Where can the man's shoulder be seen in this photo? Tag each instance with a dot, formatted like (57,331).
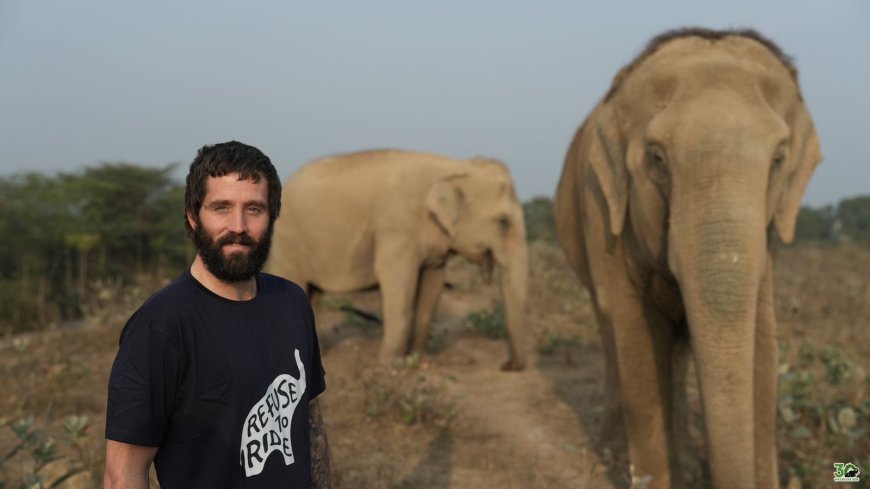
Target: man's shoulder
(162,311)
(169,303)
(178,293)
(276,284)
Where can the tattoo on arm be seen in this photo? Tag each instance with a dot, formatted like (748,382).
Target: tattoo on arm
(321,471)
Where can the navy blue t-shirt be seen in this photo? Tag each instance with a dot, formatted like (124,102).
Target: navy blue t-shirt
(220,386)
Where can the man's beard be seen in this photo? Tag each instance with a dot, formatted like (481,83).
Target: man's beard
(235,267)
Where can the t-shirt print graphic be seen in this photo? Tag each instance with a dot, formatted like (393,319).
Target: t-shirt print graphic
(267,426)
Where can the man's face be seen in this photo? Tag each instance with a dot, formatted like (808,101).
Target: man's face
(232,232)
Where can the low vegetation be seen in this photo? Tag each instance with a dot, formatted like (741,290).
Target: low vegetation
(491,323)
(35,452)
(823,410)
(406,394)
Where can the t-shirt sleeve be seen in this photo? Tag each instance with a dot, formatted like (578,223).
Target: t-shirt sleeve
(317,375)
(141,385)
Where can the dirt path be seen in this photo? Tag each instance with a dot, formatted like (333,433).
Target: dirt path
(528,429)
(518,430)
(532,436)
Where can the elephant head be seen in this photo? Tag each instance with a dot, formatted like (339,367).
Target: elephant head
(700,156)
(701,148)
(661,134)
(477,212)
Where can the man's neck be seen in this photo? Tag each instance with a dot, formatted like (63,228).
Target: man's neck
(234,291)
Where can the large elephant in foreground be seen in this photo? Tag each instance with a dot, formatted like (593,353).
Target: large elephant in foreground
(665,208)
(390,219)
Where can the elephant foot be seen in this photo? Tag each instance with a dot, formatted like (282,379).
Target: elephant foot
(513,365)
(391,359)
(402,361)
(419,349)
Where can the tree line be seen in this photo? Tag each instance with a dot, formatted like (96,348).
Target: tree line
(847,221)
(74,241)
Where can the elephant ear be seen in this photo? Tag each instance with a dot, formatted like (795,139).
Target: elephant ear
(805,155)
(607,159)
(444,203)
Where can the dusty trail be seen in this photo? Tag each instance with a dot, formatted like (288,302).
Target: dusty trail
(509,429)
(526,429)
(534,438)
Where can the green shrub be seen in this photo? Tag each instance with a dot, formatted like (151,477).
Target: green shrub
(837,366)
(403,393)
(42,449)
(552,342)
(490,323)
(540,220)
(819,413)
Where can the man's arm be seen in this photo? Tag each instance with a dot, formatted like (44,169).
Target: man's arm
(321,471)
(127,465)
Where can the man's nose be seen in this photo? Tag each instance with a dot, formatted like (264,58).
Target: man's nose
(238,222)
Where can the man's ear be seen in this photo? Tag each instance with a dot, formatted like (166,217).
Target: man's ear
(190,220)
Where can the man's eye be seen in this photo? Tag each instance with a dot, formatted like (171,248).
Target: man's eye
(255,210)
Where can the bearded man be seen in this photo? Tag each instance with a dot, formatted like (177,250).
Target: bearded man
(217,375)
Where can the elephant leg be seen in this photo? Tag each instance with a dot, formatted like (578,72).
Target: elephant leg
(765,386)
(514,283)
(396,270)
(643,342)
(689,464)
(428,294)
(612,426)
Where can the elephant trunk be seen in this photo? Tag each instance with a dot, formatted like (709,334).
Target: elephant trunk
(717,254)
(514,269)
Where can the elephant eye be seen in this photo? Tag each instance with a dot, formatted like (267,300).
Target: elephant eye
(776,165)
(656,162)
(504,223)
(779,156)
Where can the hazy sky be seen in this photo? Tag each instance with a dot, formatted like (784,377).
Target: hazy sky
(90,81)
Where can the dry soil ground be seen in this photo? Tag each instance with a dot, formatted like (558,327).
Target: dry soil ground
(450,419)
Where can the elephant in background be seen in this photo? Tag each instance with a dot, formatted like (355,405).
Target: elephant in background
(666,205)
(391,218)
